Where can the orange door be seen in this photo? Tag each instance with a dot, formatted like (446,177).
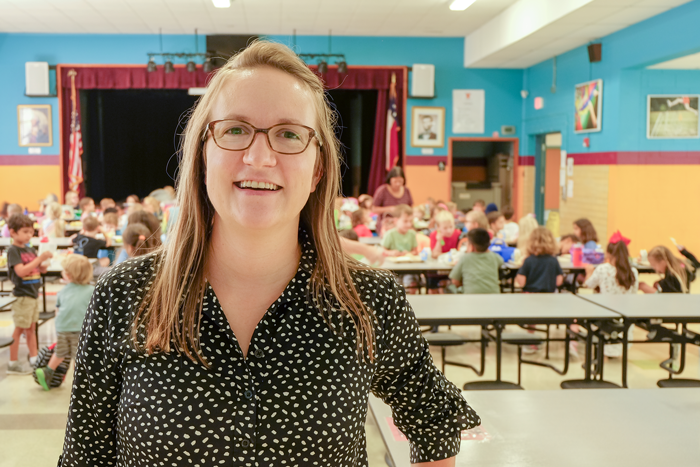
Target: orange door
(551,178)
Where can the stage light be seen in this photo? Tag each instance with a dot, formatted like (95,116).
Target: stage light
(221,3)
(323,67)
(169,68)
(342,67)
(208,66)
(461,5)
(191,66)
(151,67)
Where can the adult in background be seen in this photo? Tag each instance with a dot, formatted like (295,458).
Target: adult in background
(250,338)
(390,194)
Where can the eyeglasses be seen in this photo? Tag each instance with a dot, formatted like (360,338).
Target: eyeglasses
(284,138)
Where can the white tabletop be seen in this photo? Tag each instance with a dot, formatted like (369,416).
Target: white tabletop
(451,309)
(423,266)
(602,427)
(61,242)
(370,240)
(661,305)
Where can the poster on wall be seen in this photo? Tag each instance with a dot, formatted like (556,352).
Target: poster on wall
(428,127)
(34,125)
(468,110)
(672,116)
(588,104)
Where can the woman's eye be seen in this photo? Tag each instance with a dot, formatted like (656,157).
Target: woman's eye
(236,130)
(288,134)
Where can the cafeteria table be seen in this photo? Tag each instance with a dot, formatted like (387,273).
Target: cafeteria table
(499,310)
(650,311)
(370,240)
(61,242)
(576,428)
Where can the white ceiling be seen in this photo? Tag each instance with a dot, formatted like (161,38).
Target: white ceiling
(586,21)
(593,20)
(312,17)
(689,62)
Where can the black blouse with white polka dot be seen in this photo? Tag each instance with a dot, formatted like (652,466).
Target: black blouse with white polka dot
(298,399)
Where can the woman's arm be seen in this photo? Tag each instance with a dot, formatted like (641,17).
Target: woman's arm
(443,463)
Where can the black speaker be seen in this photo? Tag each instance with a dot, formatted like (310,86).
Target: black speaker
(595,53)
(223,46)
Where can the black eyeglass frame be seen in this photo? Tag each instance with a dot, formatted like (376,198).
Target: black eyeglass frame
(312,134)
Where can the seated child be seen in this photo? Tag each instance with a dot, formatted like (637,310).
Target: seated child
(139,240)
(71,306)
(477,271)
(583,229)
(87,208)
(387,225)
(479,205)
(25,269)
(446,236)
(12,209)
(402,239)
(474,219)
(360,221)
(567,242)
(615,276)
(510,229)
(497,222)
(53,226)
(677,273)
(540,273)
(352,235)
(85,243)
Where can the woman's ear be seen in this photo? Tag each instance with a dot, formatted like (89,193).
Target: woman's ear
(318,174)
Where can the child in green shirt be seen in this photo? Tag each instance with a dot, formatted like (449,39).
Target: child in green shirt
(401,240)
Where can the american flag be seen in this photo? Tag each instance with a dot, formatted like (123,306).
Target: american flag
(392,128)
(75,163)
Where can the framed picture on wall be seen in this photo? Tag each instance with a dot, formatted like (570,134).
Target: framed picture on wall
(672,116)
(588,102)
(428,127)
(34,125)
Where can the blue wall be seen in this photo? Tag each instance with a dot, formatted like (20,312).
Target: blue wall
(503,101)
(626,83)
(16,49)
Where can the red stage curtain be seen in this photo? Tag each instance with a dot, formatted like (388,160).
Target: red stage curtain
(137,77)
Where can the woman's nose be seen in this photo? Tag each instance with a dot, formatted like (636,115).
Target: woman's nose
(260,154)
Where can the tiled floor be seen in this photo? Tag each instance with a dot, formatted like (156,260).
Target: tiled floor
(32,421)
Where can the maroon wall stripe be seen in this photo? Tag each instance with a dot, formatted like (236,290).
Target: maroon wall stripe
(424,160)
(628,158)
(30,160)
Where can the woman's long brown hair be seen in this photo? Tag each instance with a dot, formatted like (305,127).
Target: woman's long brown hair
(624,275)
(171,308)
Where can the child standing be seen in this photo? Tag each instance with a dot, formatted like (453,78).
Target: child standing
(402,239)
(360,220)
(71,305)
(615,276)
(86,242)
(540,273)
(477,271)
(677,273)
(25,269)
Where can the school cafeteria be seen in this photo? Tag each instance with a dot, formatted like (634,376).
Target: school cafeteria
(349,233)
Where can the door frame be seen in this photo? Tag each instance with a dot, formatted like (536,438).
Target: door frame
(516,199)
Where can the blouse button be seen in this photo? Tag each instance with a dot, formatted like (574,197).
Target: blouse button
(258,353)
(248,394)
(245,443)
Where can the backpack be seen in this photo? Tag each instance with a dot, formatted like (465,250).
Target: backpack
(43,359)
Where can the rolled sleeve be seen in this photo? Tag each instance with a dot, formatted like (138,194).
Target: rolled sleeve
(426,407)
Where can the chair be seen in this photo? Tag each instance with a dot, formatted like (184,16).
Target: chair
(444,340)
(520,339)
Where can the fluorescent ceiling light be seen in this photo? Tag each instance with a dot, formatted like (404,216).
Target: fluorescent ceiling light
(457,5)
(221,3)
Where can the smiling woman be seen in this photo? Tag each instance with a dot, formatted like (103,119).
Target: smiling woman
(250,337)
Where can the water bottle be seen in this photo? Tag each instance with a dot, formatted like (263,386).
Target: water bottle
(425,254)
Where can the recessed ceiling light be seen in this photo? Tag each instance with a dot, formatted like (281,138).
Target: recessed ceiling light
(221,3)
(457,5)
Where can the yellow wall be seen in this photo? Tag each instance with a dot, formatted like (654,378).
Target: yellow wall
(590,200)
(651,203)
(426,181)
(27,184)
(526,190)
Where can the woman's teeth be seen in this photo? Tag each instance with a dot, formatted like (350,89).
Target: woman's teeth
(258,185)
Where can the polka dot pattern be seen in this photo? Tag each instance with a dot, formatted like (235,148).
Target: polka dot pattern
(298,399)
